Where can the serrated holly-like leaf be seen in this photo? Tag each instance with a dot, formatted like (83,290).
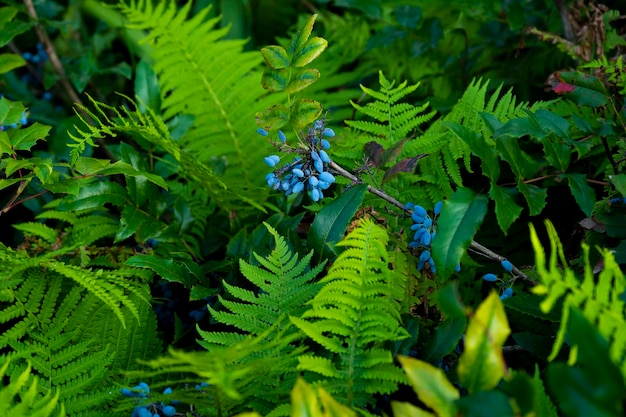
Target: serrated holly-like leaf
(482,366)
(582,192)
(535,196)
(521,163)
(311,50)
(302,79)
(331,222)
(619,181)
(558,154)
(518,127)
(431,386)
(136,221)
(507,210)
(26,137)
(273,118)
(275,79)
(458,222)
(304,112)
(275,56)
(588,90)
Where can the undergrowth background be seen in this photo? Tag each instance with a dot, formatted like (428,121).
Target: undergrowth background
(307,208)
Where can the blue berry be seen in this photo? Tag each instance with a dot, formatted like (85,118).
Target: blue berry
(425,239)
(298,172)
(428,223)
(508,266)
(490,277)
(315,194)
(424,256)
(271,160)
(318,165)
(438,208)
(417,218)
(318,124)
(409,206)
(282,136)
(325,144)
(262,132)
(167,391)
(324,156)
(328,132)
(508,291)
(169,411)
(313,181)
(457,268)
(327,177)
(297,188)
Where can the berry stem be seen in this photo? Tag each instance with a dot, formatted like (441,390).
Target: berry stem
(474,245)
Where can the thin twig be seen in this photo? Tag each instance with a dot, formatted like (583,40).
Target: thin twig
(474,245)
(58,67)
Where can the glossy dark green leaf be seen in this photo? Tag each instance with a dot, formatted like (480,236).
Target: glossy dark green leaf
(519,127)
(275,79)
(147,87)
(302,79)
(460,218)
(95,195)
(273,118)
(521,163)
(535,197)
(275,56)
(552,122)
(614,223)
(584,195)
(557,154)
(588,90)
(135,221)
(331,222)
(167,269)
(450,303)
(619,181)
(482,365)
(446,338)
(507,210)
(304,112)
(485,403)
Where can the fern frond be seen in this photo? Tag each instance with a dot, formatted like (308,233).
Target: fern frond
(285,285)
(599,299)
(352,317)
(212,79)
(21,397)
(392,120)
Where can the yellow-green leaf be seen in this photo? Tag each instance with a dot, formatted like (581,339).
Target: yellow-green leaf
(482,366)
(275,56)
(431,386)
(408,410)
(311,50)
(9,62)
(275,79)
(299,40)
(273,118)
(304,112)
(304,78)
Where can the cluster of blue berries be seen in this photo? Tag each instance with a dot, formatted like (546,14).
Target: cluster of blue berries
(617,200)
(38,57)
(308,172)
(507,292)
(155,409)
(424,229)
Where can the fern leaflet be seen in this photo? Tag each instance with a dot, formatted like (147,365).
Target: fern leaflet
(352,316)
(601,301)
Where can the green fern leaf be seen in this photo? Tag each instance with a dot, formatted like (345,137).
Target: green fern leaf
(352,316)
(597,298)
(210,78)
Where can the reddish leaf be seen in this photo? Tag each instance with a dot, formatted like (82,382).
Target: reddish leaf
(563,88)
(374,152)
